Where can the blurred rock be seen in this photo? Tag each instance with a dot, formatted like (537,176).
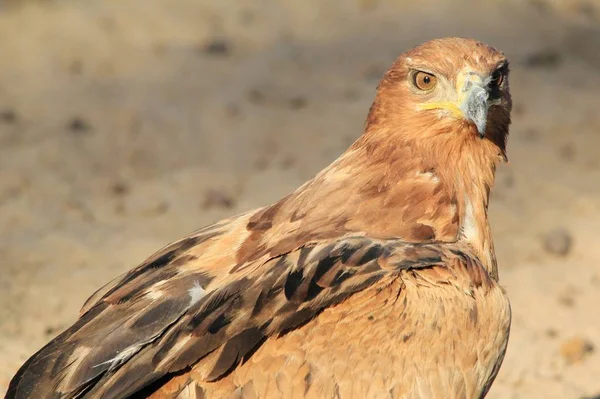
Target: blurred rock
(568,151)
(558,242)
(298,102)
(8,115)
(78,125)
(288,162)
(583,43)
(531,135)
(518,108)
(215,198)
(155,209)
(256,96)
(217,47)
(76,67)
(588,9)
(543,59)
(567,301)
(506,179)
(53,330)
(261,163)
(551,333)
(233,110)
(119,188)
(576,349)
(247,17)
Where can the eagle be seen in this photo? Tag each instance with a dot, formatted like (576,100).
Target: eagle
(377,278)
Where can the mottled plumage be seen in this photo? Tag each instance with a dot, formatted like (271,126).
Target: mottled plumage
(375,279)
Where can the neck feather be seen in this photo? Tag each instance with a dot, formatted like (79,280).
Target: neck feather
(461,164)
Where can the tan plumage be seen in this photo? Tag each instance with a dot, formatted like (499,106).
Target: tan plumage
(375,279)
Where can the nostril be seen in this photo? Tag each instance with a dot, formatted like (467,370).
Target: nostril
(467,86)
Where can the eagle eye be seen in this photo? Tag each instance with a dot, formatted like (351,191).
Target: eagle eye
(424,81)
(497,78)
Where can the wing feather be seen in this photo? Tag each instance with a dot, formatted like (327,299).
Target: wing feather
(160,320)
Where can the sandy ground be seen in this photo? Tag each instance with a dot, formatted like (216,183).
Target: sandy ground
(127,124)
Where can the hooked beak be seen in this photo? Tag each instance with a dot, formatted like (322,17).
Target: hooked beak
(474,104)
(472,101)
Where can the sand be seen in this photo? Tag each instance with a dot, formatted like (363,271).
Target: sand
(127,124)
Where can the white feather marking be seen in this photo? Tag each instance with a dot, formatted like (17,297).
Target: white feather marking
(428,175)
(196,293)
(469,224)
(121,357)
(154,295)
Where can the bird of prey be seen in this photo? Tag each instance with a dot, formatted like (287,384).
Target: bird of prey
(375,279)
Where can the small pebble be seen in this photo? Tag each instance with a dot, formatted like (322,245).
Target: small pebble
(507,179)
(531,135)
(78,125)
(568,151)
(76,67)
(588,10)
(551,333)
(217,198)
(155,209)
(519,109)
(52,330)
(261,163)
(247,17)
(567,301)
(256,96)
(543,59)
(576,349)
(287,162)
(558,242)
(219,47)
(233,110)
(8,116)
(298,102)
(119,188)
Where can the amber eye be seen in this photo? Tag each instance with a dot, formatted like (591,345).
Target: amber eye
(424,81)
(497,78)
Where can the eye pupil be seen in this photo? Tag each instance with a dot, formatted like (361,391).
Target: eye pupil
(424,81)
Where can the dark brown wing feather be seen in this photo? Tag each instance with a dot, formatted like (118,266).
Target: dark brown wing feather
(124,345)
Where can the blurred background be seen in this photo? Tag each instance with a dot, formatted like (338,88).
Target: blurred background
(125,124)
